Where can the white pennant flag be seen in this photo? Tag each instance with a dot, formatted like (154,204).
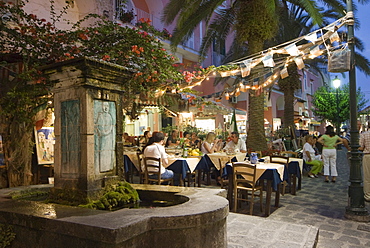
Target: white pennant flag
(225,73)
(245,68)
(330,28)
(299,62)
(315,50)
(311,37)
(292,49)
(268,61)
(284,72)
(334,37)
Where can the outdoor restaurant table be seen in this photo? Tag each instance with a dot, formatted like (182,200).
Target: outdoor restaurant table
(182,166)
(178,165)
(273,173)
(295,167)
(130,160)
(237,157)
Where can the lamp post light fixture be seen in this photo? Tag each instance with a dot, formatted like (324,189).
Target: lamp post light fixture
(336,84)
(356,203)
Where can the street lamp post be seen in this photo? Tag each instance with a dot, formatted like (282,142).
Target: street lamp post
(356,203)
(336,84)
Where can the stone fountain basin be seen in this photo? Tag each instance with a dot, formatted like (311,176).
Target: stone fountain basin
(199,222)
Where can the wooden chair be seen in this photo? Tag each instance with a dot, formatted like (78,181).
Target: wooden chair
(244,179)
(289,154)
(140,160)
(190,179)
(154,169)
(222,162)
(277,159)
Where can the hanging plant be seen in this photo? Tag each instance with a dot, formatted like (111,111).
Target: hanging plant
(127,16)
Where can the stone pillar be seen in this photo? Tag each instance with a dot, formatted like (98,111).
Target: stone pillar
(88,96)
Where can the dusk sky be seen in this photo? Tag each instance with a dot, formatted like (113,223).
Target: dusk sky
(364,33)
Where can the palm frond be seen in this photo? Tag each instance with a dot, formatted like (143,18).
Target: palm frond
(218,29)
(191,16)
(172,9)
(362,63)
(311,8)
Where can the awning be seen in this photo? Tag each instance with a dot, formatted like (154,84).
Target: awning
(211,108)
(315,123)
(168,100)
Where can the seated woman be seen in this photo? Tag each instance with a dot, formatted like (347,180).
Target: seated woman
(145,138)
(195,141)
(309,157)
(211,144)
(173,140)
(186,139)
(155,149)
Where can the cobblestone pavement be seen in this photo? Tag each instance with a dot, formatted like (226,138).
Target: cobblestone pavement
(318,206)
(322,205)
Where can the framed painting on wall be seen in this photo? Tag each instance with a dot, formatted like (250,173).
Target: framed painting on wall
(45,140)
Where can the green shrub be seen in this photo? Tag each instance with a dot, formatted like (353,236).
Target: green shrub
(116,196)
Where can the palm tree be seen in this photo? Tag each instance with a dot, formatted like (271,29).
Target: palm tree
(254,22)
(294,23)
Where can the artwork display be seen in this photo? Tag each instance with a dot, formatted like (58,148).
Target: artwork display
(45,140)
(105,135)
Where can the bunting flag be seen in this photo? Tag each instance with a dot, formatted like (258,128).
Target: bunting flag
(334,37)
(225,73)
(296,54)
(299,62)
(268,61)
(315,50)
(292,49)
(284,72)
(246,69)
(312,37)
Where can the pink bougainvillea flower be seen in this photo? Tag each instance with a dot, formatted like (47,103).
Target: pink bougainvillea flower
(106,58)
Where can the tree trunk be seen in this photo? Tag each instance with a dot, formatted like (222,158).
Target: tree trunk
(256,139)
(288,107)
(17,143)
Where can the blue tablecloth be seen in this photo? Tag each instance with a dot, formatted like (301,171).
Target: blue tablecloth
(204,163)
(127,163)
(293,168)
(269,174)
(179,167)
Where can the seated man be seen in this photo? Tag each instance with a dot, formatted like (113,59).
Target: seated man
(236,144)
(155,149)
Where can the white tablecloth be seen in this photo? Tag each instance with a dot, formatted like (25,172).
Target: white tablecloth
(262,167)
(224,157)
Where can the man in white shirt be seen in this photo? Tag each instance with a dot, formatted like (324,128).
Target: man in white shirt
(365,148)
(156,150)
(236,144)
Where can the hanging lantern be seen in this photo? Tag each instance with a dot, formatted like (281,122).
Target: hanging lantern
(339,60)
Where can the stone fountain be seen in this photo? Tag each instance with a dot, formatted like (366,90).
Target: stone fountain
(88,98)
